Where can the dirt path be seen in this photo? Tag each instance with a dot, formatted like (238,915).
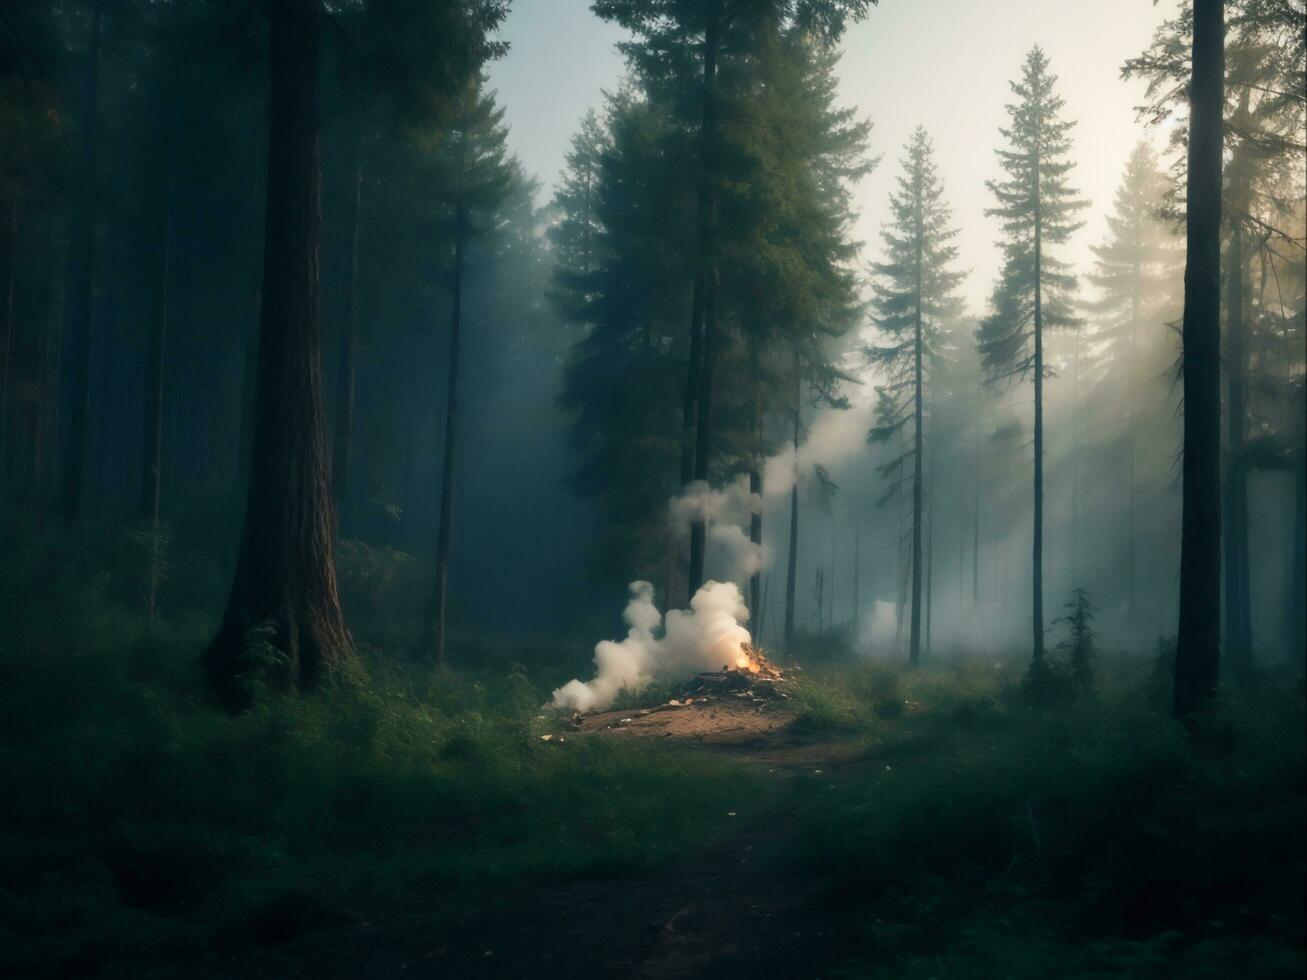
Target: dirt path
(738,910)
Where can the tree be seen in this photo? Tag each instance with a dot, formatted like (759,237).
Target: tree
(1037,205)
(575,237)
(1262,135)
(1198,641)
(285,581)
(285,576)
(1080,646)
(1134,271)
(668,33)
(479,173)
(914,295)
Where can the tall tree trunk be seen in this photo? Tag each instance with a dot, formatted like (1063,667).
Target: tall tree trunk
(918,435)
(285,575)
(1075,462)
(342,451)
(81,281)
(1037,547)
(1298,558)
(705,288)
(755,481)
(1198,643)
(107,344)
(152,460)
(857,571)
(1238,628)
(1134,394)
(433,627)
(834,526)
(11,267)
(792,567)
(975,517)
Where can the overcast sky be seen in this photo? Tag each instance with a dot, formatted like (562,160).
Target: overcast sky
(944,64)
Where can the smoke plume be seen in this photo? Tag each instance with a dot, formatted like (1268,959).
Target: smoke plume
(707,636)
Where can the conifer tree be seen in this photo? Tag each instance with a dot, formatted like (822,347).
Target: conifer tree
(677,40)
(476,172)
(1262,135)
(1037,206)
(284,596)
(914,296)
(1135,271)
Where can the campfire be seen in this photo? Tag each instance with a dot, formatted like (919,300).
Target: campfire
(751,676)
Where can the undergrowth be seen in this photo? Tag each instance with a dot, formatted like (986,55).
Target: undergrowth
(144,831)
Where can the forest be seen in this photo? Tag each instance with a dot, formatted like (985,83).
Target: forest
(653,488)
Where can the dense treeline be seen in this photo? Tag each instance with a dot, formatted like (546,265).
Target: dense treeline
(688,307)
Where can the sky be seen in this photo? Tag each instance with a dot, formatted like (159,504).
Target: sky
(943,64)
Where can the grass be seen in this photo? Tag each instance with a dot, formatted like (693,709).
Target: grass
(982,837)
(145,833)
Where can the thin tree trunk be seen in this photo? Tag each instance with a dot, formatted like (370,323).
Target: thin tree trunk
(342,450)
(833,527)
(81,280)
(755,481)
(975,518)
(1198,643)
(857,571)
(705,287)
(918,439)
(153,432)
(11,266)
(433,629)
(1037,549)
(792,567)
(1075,462)
(107,345)
(286,573)
(1133,387)
(1238,629)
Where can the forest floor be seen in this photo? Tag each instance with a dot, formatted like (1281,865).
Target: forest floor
(738,909)
(875,821)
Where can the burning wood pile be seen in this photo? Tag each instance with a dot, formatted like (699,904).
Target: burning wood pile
(751,677)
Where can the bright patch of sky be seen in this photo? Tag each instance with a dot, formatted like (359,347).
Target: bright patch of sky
(943,64)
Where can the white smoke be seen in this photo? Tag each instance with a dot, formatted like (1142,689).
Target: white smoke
(881,629)
(707,636)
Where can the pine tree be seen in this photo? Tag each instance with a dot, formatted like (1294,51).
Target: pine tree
(1037,206)
(677,39)
(1262,135)
(915,296)
(475,169)
(575,236)
(1136,270)
(283,616)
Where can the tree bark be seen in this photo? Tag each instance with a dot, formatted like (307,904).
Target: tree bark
(1198,643)
(81,280)
(342,450)
(286,573)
